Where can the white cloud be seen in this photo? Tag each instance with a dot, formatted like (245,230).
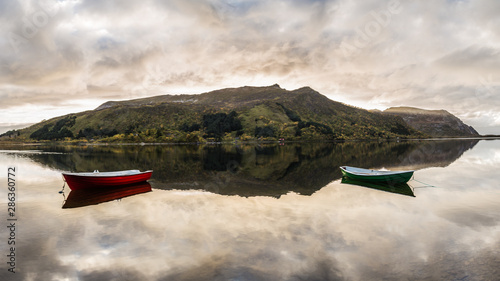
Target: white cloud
(439,54)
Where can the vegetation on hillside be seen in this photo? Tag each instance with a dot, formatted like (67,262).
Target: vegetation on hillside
(247,113)
(216,125)
(60,130)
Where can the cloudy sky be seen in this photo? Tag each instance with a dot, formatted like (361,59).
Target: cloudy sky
(59,57)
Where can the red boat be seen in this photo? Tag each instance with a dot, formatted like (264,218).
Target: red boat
(78,181)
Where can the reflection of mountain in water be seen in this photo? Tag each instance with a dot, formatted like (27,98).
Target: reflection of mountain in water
(434,154)
(248,170)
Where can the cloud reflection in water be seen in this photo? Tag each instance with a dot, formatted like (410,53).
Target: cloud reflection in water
(340,232)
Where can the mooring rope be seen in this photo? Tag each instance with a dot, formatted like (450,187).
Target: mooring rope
(63,194)
(426,184)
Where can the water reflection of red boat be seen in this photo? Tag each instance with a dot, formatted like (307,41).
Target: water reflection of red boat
(93,196)
(78,181)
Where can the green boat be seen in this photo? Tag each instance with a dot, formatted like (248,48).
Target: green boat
(375,175)
(398,188)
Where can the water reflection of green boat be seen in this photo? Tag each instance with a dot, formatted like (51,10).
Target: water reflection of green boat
(399,188)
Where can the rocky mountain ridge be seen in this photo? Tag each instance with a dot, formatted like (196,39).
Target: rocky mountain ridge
(436,123)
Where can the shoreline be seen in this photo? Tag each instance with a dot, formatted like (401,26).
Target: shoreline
(73,143)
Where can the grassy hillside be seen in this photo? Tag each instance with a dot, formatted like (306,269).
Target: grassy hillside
(245,113)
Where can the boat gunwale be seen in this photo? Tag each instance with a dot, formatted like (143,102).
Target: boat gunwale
(108,174)
(371,172)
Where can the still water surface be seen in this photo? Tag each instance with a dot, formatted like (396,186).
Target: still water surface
(253,212)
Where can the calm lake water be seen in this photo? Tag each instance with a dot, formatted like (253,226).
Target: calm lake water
(249,212)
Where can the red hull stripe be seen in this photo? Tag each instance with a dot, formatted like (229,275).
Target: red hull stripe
(81,182)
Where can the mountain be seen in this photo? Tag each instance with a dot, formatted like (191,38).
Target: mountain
(436,123)
(243,113)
